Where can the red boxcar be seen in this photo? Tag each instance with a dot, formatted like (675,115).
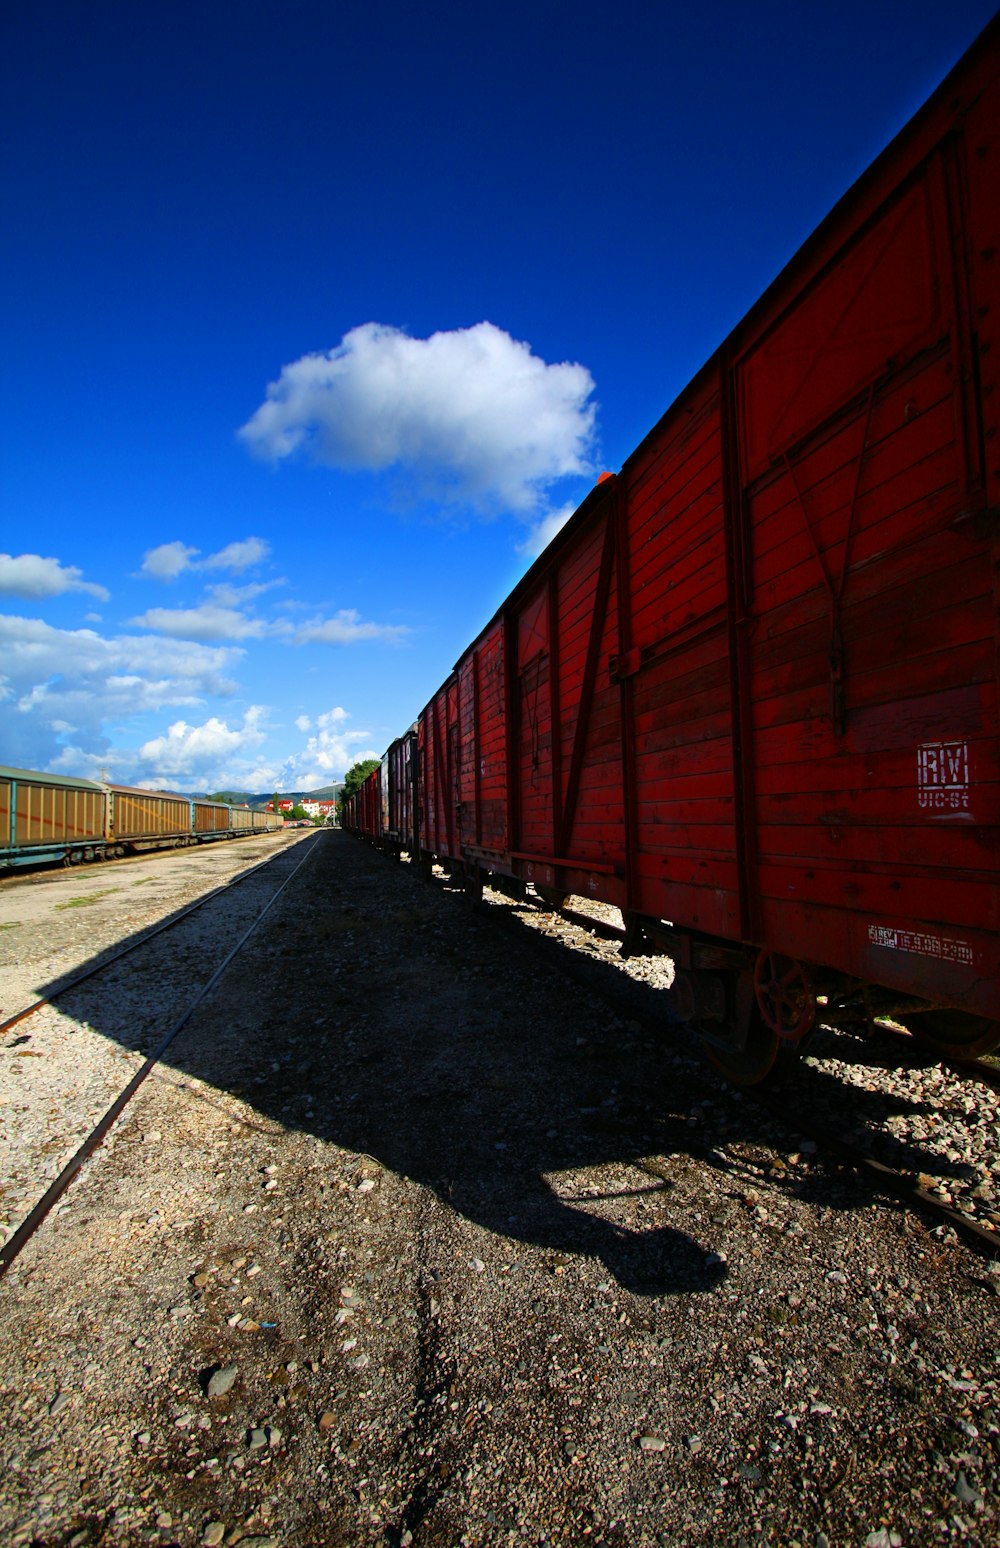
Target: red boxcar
(401,795)
(364,809)
(750,691)
(440,775)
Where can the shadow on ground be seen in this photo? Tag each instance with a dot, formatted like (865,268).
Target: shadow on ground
(377,1012)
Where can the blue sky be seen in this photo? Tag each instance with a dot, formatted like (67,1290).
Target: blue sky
(317,317)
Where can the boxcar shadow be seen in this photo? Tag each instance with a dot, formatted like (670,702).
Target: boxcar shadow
(380,1015)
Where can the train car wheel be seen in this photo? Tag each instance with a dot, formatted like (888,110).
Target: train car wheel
(764,1054)
(953,1034)
(551,896)
(785,995)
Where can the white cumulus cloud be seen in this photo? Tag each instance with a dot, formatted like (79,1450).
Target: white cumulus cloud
(328,753)
(322,760)
(471,416)
(168,560)
(347,627)
(56,683)
(544,530)
(207,622)
(31,576)
(237,557)
(202,752)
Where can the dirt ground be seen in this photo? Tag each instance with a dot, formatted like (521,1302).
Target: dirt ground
(416,1241)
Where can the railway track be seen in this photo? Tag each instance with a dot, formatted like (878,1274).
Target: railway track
(76,979)
(911,1051)
(280,869)
(917,1189)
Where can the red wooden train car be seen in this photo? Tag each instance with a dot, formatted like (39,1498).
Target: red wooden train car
(438,753)
(365,810)
(750,692)
(401,794)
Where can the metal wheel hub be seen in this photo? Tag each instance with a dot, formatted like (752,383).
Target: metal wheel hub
(785,995)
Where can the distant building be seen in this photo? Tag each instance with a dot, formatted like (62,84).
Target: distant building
(321,806)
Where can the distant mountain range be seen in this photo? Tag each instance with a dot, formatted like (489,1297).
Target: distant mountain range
(248,798)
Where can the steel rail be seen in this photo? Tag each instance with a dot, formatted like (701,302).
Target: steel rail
(154,930)
(55,1191)
(904,1186)
(973,1069)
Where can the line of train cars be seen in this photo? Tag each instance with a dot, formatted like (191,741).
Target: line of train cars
(44,817)
(749,693)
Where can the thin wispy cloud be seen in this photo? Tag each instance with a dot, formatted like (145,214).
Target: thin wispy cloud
(237,557)
(168,560)
(207,622)
(212,622)
(34,578)
(347,627)
(227,595)
(225,614)
(472,417)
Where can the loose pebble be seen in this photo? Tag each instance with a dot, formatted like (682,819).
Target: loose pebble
(221,1380)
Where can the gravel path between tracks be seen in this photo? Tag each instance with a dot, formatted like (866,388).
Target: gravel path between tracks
(415,1241)
(54,921)
(61,1069)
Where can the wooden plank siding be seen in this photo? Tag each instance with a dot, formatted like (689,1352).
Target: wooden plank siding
(682,718)
(482,745)
(402,816)
(439,767)
(567,732)
(871,628)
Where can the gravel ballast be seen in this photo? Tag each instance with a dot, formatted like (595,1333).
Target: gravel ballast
(415,1240)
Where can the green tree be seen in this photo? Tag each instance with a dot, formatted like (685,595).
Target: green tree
(355,776)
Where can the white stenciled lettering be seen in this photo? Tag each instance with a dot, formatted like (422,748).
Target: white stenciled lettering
(943,776)
(921,944)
